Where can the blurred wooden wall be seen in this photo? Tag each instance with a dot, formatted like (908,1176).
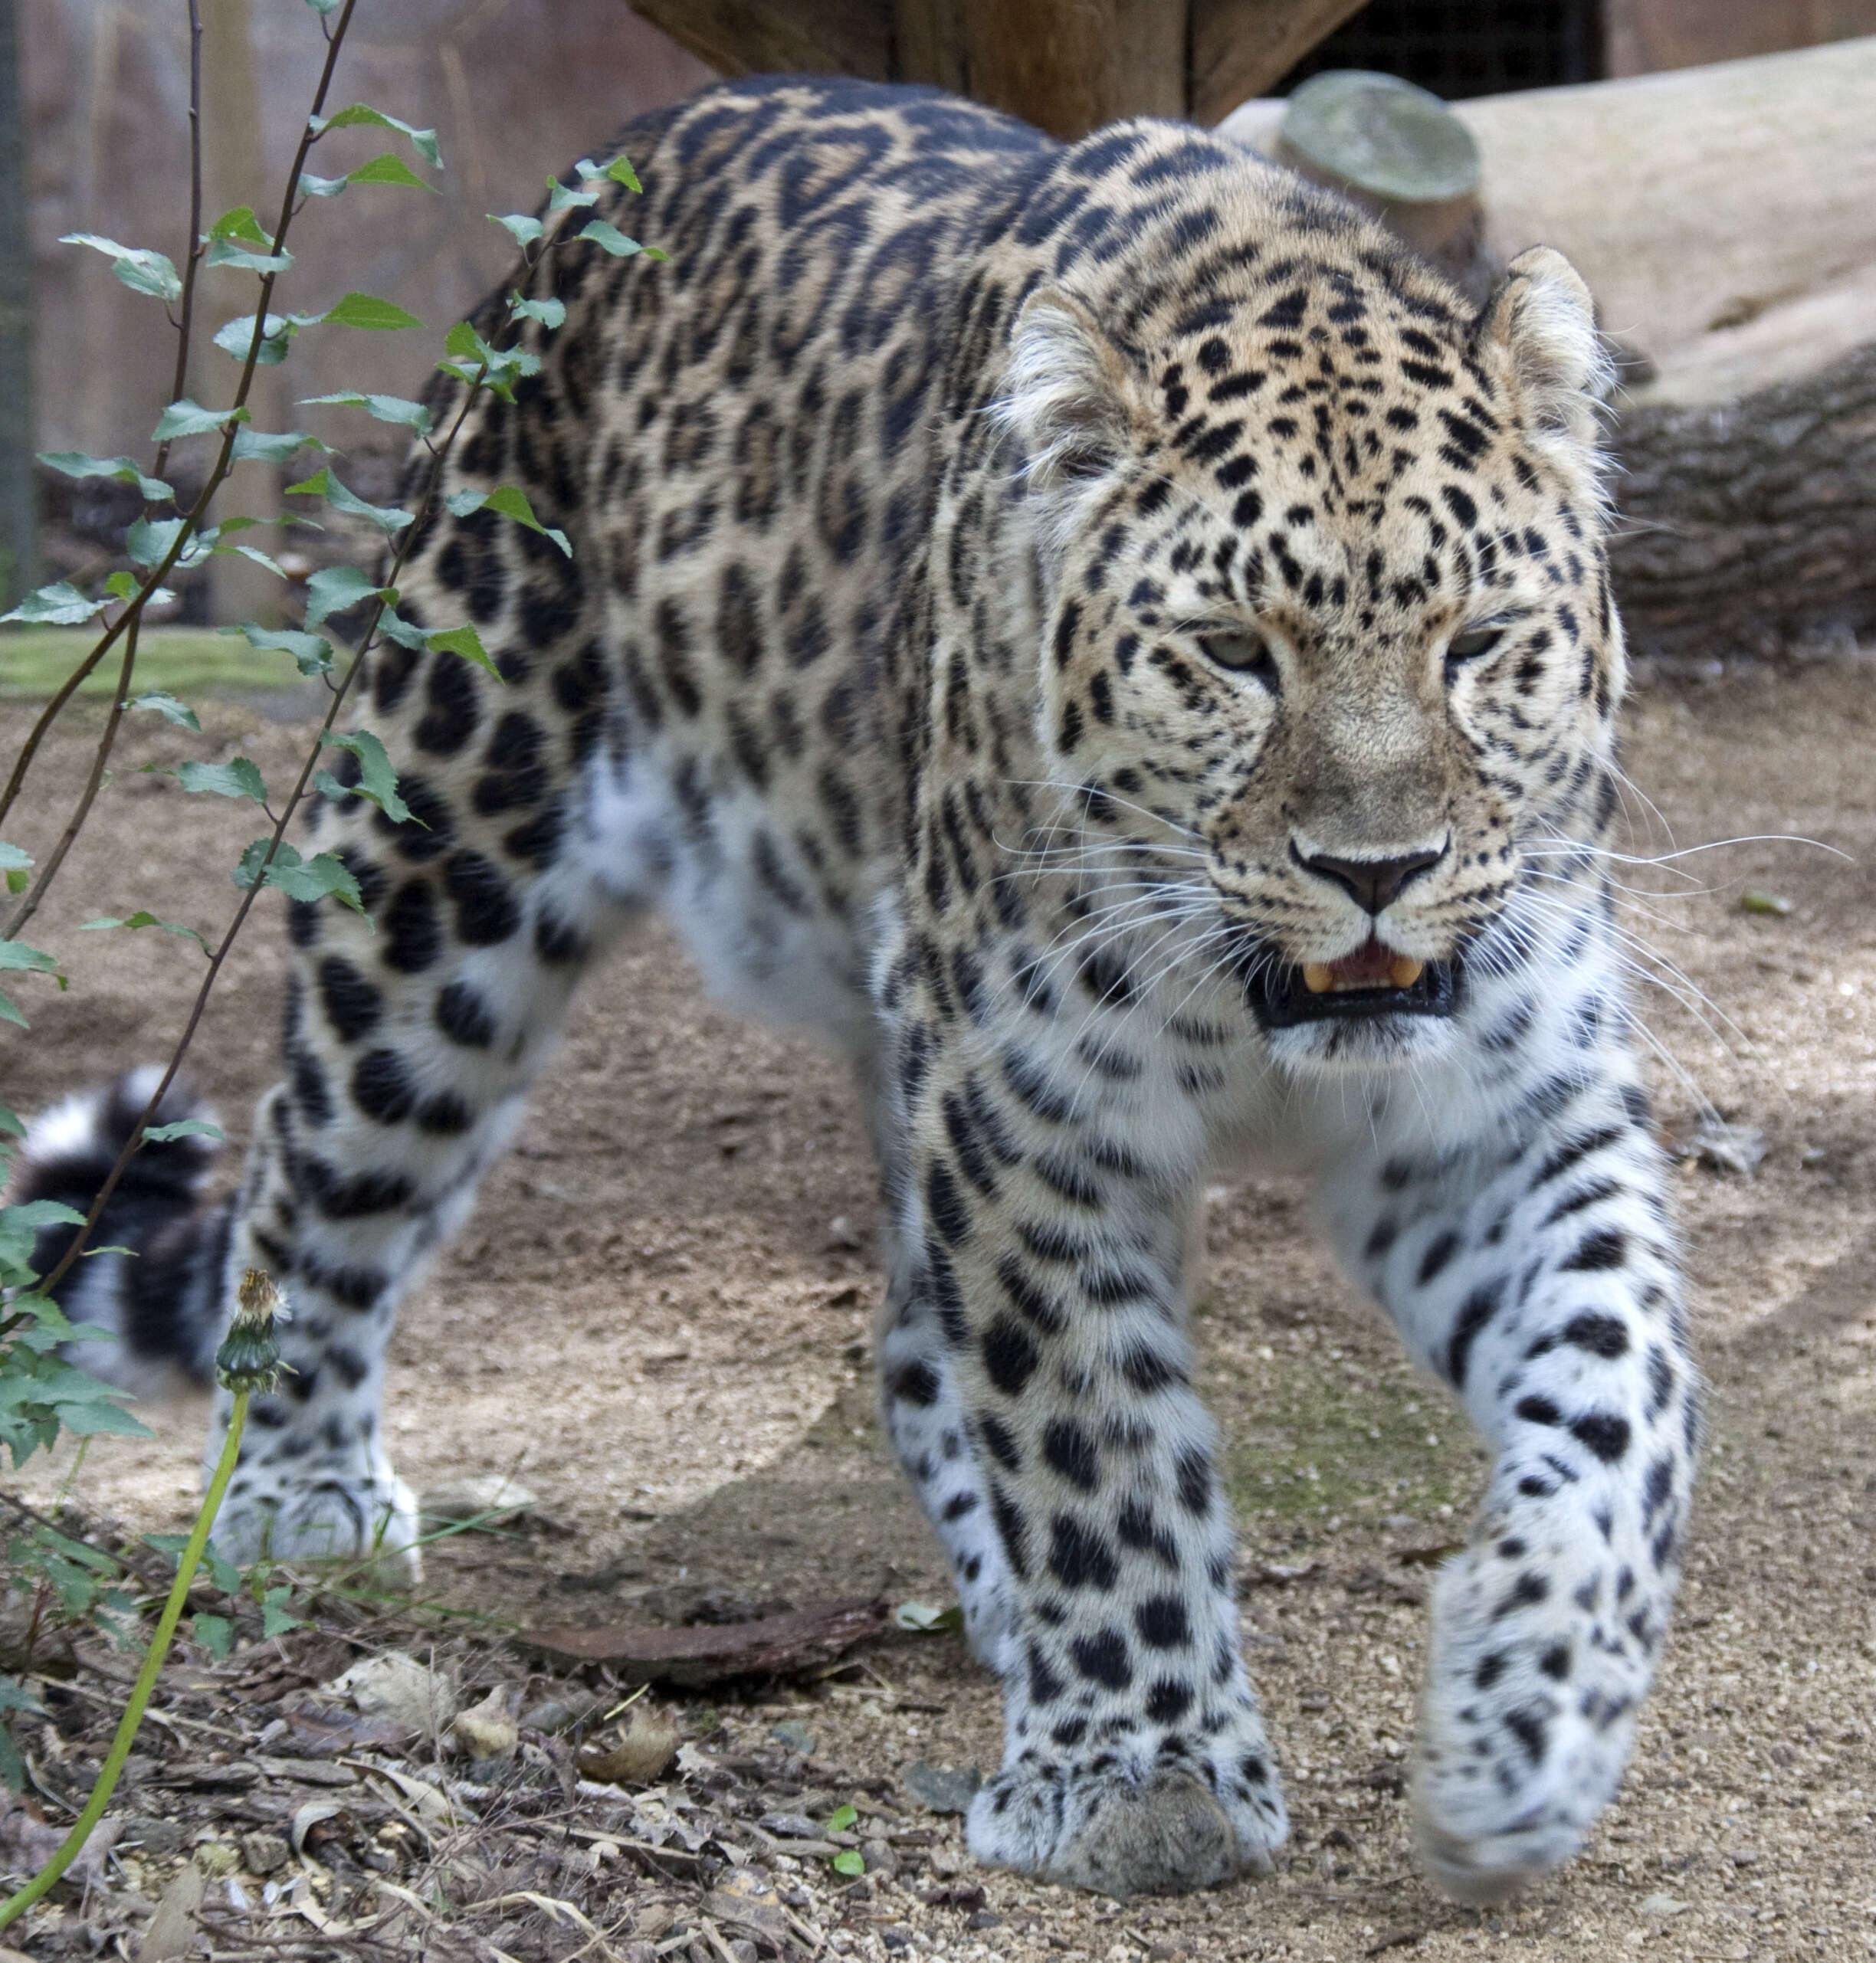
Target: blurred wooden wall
(1642,37)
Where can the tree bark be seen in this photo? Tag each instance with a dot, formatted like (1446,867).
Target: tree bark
(1749,527)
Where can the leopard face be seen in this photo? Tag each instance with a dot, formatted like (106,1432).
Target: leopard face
(1330,646)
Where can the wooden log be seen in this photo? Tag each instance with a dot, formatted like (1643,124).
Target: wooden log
(1749,526)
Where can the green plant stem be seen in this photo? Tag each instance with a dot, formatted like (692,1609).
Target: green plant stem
(47,1877)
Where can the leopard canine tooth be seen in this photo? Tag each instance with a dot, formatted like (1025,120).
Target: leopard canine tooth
(1316,977)
(1404,971)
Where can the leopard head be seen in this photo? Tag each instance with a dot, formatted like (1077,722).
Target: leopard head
(1327,616)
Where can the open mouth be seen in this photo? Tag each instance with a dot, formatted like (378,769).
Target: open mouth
(1373,981)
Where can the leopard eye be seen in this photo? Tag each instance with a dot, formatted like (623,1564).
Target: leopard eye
(1242,653)
(1475,641)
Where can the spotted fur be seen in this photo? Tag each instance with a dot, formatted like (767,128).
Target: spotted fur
(1032,608)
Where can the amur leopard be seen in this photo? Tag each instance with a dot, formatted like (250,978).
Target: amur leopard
(1107,637)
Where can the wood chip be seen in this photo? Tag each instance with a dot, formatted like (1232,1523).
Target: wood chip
(773,1646)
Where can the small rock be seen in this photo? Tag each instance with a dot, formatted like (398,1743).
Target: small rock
(561,1713)
(1753,901)
(216,1858)
(488,1730)
(1661,1904)
(146,1835)
(264,1853)
(1745,1856)
(646,1742)
(983,1918)
(794,1735)
(880,1858)
(895,1935)
(942,1788)
(399,1688)
(789,1826)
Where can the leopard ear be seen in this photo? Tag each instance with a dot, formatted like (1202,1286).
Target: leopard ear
(1067,395)
(1544,321)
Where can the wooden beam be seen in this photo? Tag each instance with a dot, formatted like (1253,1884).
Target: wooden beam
(786,37)
(1069,66)
(1241,49)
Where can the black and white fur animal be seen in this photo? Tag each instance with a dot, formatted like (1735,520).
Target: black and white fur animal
(1123,649)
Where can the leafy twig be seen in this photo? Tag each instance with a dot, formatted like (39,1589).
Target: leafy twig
(248,1360)
(192,522)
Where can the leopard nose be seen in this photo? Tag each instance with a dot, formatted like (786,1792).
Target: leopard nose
(1373,884)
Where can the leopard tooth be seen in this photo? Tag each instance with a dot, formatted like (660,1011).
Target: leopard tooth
(1404,971)
(1316,977)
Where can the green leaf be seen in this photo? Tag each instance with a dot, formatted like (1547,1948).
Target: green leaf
(386,408)
(524,229)
(148,541)
(8,1013)
(388,519)
(277,330)
(60,604)
(563,197)
(122,469)
(238,779)
(549,313)
(840,1819)
(378,778)
(136,920)
(143,272)
(253,446)
(422,141)
(368,310)
(239,221)
(215,1633)
(188,419)
(245,259)
(313,186)
(511,501)
(11,856)
(463,342)
(183,1128)
(465,641)
(18,954)
(37,1214)
(334,588)
(619,170)
(325,6)
(394,626)
(462,503)
(389,169)
(847,1861)
(312,652)
(265,560)
(610,238)
(179,713)
(309,879)
(275,1621)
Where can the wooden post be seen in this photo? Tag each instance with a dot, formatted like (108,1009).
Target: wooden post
(19,543)
(1068,66)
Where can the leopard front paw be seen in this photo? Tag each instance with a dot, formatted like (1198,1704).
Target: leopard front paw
(1165,1829)
(1529,1717)
(322,1514)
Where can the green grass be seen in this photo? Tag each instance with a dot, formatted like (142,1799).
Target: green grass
(181,660)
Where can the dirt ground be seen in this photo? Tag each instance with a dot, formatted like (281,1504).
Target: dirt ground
(659,1321)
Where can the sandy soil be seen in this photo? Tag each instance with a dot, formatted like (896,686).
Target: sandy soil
(659,1320)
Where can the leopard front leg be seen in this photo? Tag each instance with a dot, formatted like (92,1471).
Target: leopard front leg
(1045,1259)
(1537,1275)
